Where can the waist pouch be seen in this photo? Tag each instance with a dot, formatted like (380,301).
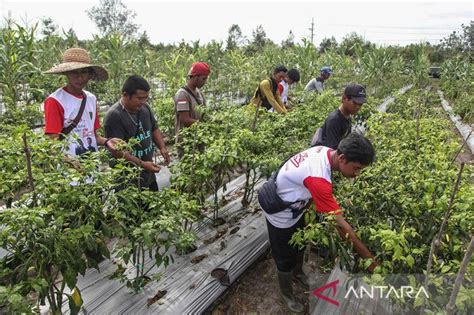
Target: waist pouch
(270,201)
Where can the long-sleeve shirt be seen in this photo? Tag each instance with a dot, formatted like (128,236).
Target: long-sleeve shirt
(273,99)
(315,84)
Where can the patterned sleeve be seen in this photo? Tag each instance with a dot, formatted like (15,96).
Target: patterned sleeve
(321,191)
(182,102)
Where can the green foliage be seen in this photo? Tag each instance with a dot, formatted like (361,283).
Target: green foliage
(56,228)
(121,57)
(464,108)
(259,39)
(328,44)
(163,108)
(366,111)
(415,103)
(204,171)
(378,63)
(457,84)
(17,69)
(58,223)
(28,114)
(459,43)
(418,65)
(12,298)
(234,39)
(149,224)
(112,16)
(352,43)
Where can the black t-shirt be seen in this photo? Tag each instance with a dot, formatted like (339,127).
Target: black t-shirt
(335,128)
(119,123)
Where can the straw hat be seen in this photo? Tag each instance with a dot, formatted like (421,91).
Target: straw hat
(78,58)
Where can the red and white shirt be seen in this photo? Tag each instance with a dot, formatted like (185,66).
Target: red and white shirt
(60,109)
(306,176)
(283,89)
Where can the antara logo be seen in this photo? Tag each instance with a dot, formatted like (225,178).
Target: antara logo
(387,291)
(333,286)
(381,291)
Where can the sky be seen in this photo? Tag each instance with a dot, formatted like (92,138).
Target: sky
(384,22)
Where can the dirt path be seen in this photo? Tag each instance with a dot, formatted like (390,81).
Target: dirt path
(256,291)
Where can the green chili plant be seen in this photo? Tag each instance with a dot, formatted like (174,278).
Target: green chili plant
(55,230)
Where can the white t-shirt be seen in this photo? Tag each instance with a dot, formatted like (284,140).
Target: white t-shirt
(63,105)
(306,176)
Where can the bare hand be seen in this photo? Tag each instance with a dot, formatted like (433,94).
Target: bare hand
(166,156)
(114,142)
(372,266)
(150,166)
(73,162)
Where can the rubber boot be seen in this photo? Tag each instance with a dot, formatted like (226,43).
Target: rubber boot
(286,292)
(298,274)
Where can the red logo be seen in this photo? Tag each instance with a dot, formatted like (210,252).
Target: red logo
(298,159)
(317,292)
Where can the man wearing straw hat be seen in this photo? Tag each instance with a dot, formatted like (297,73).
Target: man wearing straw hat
(70,111)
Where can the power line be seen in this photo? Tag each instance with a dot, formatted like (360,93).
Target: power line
(396,27)
(403,33)
(406,40)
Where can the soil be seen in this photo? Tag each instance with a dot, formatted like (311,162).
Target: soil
(256,291)
(465,156)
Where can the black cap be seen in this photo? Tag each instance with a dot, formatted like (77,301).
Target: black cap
(356,92)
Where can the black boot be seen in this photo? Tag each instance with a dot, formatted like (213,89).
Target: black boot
(298,274)
(286,292)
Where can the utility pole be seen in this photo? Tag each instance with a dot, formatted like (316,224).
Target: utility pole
(312,30)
